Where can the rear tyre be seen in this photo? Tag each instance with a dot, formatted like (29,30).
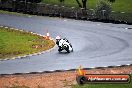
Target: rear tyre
(72,50)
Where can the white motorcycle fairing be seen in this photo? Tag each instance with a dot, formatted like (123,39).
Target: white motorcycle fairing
(63,43)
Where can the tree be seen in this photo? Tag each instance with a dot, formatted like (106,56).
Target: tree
(111,1)
(79,4)
(62,2)
(83,5)
(84,2)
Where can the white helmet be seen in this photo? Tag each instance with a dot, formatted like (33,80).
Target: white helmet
(58,37)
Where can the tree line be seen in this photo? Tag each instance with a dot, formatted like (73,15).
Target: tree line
(32,1)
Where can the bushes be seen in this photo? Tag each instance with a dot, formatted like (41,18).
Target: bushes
(102,12)
(103,9)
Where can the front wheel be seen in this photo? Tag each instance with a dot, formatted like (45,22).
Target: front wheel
(60,49)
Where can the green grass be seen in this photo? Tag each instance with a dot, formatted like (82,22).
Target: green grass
(13,13)
(122,5)
(129,85)
(119,5)
(16,43)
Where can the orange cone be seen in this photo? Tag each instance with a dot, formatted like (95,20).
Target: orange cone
(47,36)
(80,71)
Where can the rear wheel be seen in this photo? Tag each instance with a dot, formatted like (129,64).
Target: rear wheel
(68,51)
(72,50)
(71,47)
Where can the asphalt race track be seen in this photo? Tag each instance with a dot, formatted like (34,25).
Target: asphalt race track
(95,44)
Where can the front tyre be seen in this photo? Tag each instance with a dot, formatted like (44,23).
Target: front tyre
(60,49)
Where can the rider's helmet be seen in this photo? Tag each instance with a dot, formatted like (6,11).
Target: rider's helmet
(58,38)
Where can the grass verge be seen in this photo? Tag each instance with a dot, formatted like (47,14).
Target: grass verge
(15,13)
(17,43)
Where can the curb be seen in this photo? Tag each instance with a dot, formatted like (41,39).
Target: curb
(53,71)
(23,56)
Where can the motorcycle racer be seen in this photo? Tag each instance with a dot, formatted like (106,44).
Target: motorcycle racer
(63,44)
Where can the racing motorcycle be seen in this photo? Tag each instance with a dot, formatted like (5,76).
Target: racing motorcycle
(65,45)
